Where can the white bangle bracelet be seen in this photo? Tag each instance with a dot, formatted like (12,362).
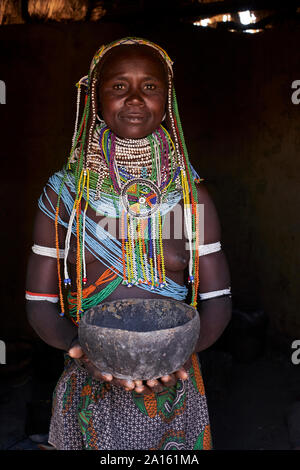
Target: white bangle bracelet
(209,248)
(53,298)
(46,251)
(215,293)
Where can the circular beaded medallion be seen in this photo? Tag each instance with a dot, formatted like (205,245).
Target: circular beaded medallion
(141,198)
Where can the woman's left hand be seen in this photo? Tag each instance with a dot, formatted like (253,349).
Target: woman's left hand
(157,385)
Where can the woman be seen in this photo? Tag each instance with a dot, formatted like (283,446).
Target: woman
(128,165)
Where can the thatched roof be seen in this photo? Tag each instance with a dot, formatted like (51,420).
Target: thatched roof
(58,10)
(11,12)
(18,11)
(266,11)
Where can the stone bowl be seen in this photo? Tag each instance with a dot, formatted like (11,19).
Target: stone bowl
(139,339)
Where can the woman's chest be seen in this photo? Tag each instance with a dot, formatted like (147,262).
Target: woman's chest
(107,236)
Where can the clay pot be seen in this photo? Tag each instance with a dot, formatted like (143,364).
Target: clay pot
(139,338)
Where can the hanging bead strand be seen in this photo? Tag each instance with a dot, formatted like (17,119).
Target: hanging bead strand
(123,218)
(87,174)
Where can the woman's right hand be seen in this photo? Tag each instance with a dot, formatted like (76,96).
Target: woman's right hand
(76,352)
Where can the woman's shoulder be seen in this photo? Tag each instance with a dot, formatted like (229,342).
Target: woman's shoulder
(203,194)
(207,209)
(56,194)
(58,182)
(59,177)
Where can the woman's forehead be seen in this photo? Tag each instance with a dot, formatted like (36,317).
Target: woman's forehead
(124,57)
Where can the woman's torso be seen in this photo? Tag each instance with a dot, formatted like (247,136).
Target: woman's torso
(176,254)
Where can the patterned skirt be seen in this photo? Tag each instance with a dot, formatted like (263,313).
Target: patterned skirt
(90,414)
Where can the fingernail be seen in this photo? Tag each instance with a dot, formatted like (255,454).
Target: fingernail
(107,377)
(165,378)
(151,383)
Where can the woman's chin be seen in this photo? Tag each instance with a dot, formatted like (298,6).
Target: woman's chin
(135,129)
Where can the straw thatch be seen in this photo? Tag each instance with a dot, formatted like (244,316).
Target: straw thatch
(20,11)
(98,11)
(11,12)
(58,10)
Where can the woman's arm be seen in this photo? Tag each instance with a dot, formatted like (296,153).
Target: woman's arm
(43,316)
(215,313)
(42,278)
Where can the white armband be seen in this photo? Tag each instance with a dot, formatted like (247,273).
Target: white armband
(46,251)
(37,296)
(209,248)
(215,293)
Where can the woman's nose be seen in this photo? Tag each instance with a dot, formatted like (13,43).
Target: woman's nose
(135,98)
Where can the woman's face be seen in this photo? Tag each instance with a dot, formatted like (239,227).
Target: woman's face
(132,91)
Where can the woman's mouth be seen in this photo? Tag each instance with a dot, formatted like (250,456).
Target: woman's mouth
(133,117)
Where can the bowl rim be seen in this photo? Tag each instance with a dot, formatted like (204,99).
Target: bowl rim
(195,318)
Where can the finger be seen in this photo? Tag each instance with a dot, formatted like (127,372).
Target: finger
(138,383)
(156,385)
(145,390)
(99,375)
(139,386)
(182,374)
(165,378)
(168,380)
(128,385)
(95,372)
(75,352)
(152,383)
(106,377)
(158,388)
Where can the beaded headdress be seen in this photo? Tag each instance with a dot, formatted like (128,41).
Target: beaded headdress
(93,162)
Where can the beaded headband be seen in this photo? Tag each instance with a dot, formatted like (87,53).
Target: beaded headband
(124,42)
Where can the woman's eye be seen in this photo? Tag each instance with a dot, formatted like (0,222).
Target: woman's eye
(118,86)
(150,86)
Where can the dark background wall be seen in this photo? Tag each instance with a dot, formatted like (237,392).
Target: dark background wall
(241,127)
